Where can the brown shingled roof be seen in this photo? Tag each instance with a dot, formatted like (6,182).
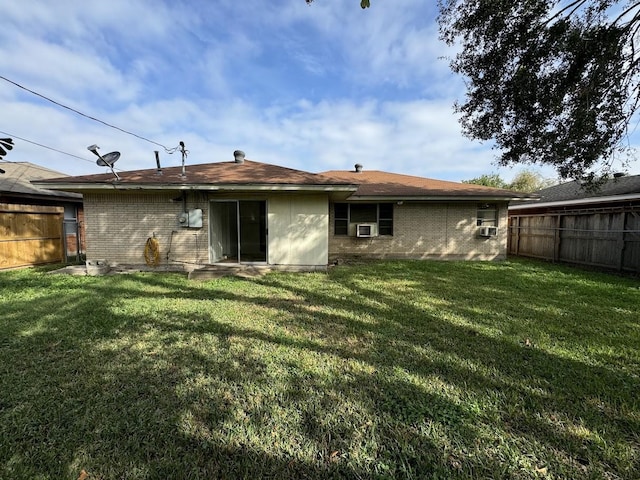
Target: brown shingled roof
(364,184)
(375,183)
(219,173)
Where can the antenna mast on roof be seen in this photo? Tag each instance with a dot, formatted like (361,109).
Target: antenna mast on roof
(184,156)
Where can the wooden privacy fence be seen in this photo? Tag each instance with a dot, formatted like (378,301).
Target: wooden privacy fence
(605,239)
(30,235)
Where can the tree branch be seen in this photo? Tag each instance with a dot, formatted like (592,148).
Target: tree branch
(576,3)
(624,14)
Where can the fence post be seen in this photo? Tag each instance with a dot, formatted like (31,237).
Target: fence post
(620,243)
(556,239)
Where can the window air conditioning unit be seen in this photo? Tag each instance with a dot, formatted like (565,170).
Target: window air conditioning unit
(366,230)
(488,231)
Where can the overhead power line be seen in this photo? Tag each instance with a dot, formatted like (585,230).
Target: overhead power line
(44,146)
(168,150)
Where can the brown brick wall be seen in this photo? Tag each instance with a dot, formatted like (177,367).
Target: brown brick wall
(118,226)
(427,230)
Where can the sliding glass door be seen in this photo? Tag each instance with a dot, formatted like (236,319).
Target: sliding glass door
(238,231)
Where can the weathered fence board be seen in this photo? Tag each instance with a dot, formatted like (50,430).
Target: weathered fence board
(631,254)
(30,235)
(603,239)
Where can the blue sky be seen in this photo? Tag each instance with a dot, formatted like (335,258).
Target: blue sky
(315,87)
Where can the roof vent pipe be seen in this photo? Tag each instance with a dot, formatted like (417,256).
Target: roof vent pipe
(239,156)
(159,170)
(358,168)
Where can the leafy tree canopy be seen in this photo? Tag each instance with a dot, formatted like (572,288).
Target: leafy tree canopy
(524,181)
(488,180)
(553,82)
(529,181)
(550,82)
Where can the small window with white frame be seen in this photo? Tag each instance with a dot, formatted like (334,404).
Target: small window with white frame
(487,215)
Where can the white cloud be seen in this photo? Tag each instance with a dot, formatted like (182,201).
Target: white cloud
(62,72)
(314,88)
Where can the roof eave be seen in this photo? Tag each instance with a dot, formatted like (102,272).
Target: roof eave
(53,196)
(276,187)
(430,198)
(580,201)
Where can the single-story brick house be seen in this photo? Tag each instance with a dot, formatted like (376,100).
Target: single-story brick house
(246,212)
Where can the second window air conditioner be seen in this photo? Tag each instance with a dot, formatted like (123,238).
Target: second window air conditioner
(366,230)
(488,231)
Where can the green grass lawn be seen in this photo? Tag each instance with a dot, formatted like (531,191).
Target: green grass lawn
(518,370)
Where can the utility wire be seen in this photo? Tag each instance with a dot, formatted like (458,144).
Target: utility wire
(43,146)
(48,148)
(168,150)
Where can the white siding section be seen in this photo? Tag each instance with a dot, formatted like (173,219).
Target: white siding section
(298,230)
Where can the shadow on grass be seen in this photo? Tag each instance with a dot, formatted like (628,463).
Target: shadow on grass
(329,377)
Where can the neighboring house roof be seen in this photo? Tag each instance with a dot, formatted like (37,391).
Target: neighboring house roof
(255,176)
(617,189)
(16,182)
(379,184)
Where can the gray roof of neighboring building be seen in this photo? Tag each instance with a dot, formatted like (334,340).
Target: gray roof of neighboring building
(16,181)
(621,187)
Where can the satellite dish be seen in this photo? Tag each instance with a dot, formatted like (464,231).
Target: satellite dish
(108,160)
(105,160)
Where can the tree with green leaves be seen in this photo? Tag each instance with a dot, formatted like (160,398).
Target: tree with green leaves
(550,82)
(488,180)
(524,181)
(529,181)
